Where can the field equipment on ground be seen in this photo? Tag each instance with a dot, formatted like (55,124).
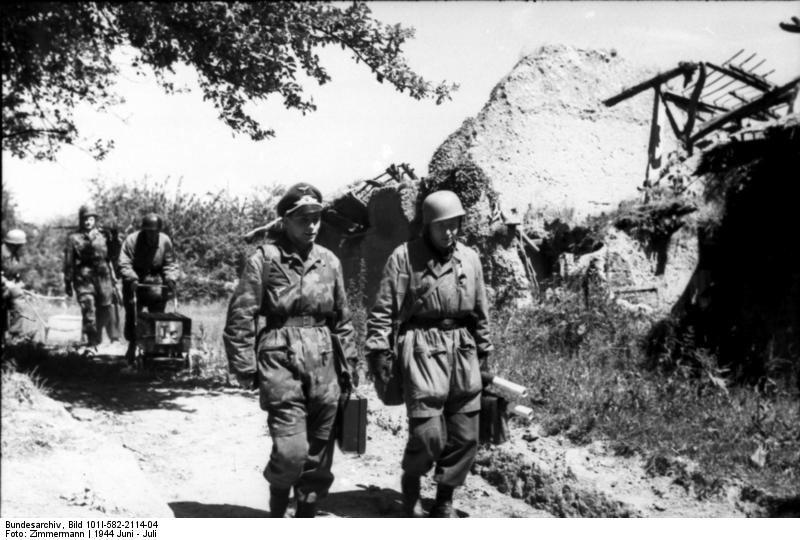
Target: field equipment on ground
(162,340)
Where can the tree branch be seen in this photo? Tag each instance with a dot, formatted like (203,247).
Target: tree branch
(30,131)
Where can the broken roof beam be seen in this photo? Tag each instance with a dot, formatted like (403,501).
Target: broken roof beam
(756,81)
(684,102)
(684,68)
(756,106)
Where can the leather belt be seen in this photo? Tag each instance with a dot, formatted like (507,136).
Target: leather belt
(441,324)
(303,321)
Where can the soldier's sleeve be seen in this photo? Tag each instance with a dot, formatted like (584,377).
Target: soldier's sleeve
(240,325)
(343,327)
(482,331)
(384,311)
(68,263)
(170,268)
(126,260)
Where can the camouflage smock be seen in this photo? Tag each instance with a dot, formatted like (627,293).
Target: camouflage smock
(86,265)
(440,367)
(294,364)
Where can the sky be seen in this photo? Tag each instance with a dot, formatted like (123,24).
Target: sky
(360,126)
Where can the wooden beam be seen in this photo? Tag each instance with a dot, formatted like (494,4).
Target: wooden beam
(683,103)
(684,68)
(741,75)
(748,109)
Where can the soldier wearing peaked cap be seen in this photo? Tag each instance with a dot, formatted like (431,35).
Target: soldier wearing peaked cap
(296,287)
(432,291)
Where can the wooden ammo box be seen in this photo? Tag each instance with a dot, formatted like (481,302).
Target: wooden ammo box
(352,432)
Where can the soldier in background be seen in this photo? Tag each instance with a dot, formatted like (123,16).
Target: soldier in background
(298,288)
(89,273)
(14,265)
(432,290)
(148,258)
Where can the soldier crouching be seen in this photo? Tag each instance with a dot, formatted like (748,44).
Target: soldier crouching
(298,287)
(432,290)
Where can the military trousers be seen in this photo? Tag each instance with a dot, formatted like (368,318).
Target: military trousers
(301,462)
(299,389)
(449,441)
(98,317)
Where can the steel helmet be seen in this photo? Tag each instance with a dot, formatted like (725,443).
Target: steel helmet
(151,222)
(86,210)
(441,205)
(16,237)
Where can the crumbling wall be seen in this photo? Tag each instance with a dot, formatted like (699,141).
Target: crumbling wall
(544,147)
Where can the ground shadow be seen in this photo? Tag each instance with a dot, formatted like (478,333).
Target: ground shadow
(370,502)
(107,382)
(192,509)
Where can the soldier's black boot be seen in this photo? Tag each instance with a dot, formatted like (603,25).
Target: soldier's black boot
(130,354)
(443,507)
(278,502)
(306,505)
(410,487)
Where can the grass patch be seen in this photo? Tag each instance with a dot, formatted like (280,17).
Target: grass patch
(590,378)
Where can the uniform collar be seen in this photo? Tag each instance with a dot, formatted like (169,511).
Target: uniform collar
(289,251)
(432,260)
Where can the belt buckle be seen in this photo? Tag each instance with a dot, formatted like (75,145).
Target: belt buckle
(307,320)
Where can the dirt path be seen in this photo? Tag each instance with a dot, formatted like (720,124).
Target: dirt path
(198,449)
(203,449)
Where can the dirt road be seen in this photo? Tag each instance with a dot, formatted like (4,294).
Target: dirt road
(203,449)
(105,442)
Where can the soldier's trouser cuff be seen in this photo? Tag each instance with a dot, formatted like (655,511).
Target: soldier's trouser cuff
(449,440)
(460,450)
(306,465)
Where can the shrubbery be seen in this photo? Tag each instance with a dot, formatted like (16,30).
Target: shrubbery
(207,232)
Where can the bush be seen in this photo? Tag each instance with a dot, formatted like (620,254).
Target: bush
(206,230)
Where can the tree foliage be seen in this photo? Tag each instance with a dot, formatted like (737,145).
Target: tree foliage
(59,54)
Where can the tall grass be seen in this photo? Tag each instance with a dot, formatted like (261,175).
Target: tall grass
(590,378)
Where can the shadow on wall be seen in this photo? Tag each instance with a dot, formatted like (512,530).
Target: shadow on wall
(743,301)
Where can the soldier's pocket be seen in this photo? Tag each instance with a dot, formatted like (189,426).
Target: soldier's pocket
(279,379)
(427,375)
(466,371)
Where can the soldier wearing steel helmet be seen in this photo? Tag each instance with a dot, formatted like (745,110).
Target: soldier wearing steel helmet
(14,266)
(88,273)
(147,257)
(432,291)
(296,288)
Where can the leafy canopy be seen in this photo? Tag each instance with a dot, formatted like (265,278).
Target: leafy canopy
(58,54)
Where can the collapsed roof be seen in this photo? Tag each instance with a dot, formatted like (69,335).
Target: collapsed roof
(716,96)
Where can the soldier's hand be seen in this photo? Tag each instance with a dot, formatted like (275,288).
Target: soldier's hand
(248,381)
(346,382)
(381,363)
(486,378)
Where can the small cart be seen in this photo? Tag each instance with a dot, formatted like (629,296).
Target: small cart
(163,340)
